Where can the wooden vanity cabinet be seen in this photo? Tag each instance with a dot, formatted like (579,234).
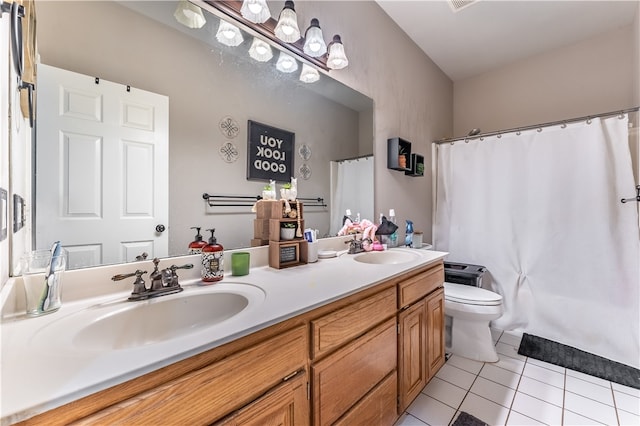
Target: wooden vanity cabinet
(360,360)
(421,333)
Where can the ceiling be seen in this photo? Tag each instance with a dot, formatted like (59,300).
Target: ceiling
(488,33)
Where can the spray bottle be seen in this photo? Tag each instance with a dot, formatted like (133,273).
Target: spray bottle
(408,234)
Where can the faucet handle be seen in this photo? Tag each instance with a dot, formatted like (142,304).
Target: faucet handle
(121,277)
(142,256)
(170,276)
(185,266)
(138,285)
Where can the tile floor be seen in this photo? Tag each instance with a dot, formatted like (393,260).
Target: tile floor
(520,391)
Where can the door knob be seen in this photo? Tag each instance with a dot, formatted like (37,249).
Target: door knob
(160,228)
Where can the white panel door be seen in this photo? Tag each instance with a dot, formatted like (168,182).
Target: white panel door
(102,160)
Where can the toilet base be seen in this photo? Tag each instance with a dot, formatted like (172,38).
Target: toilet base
(472,339)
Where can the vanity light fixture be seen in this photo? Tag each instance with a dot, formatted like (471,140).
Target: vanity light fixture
(228,34)
(286,63)
(314,44)
(260,50)
(287,28)
(284,33)
(309,74)
(337,58)
(189,15)
(256,11)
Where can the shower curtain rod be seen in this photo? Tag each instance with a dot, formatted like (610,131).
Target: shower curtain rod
(538,126)
(359,157)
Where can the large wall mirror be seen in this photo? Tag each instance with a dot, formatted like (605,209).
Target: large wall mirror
(205,87)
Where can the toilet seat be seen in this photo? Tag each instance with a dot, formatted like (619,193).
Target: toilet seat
(470,295)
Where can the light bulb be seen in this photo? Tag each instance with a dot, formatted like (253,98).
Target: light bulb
(286,63)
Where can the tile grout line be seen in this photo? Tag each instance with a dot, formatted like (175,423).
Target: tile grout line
(465,395)
(472,383)
(615,406)
(515,393)
(564,396)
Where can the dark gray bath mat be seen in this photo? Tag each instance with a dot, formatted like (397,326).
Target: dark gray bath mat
(466,419)
(575,359)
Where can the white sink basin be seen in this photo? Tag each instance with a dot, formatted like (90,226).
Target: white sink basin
(124,324)
(388,257)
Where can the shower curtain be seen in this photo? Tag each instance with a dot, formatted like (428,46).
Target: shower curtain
(541,210)
(353,190)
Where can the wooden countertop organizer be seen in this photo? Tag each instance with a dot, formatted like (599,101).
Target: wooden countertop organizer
(270,215)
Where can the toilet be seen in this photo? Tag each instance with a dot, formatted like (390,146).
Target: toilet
(468,311)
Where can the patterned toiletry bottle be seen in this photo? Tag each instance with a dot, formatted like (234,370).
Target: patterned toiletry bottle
(212,260)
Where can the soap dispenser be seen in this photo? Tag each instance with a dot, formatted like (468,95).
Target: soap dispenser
(408,234)
(195,246)
(393,238)
(212,260)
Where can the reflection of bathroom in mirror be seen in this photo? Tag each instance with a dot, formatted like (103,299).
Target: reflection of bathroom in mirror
(350,191)
(207,86)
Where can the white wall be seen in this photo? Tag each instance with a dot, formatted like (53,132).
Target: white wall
(413,98)
(593,76)
(636,57)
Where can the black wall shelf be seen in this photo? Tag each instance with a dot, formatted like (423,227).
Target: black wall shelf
(416,159)
(396,147)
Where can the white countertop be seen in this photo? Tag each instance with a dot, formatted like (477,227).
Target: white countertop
(41,371)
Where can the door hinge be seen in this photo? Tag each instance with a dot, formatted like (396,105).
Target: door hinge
(398,328)
(308,391)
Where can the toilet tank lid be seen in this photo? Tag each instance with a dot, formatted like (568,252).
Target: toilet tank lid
(462,293)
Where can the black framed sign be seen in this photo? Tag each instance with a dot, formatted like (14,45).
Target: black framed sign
(270,153)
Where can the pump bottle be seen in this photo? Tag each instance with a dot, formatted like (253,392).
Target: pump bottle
(195,246)
(393,238)
(212,260)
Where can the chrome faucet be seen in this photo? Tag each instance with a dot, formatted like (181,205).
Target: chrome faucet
(355,245)
(162,282)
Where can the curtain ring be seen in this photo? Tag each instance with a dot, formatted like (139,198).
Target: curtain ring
(564,126)
(466,140)
(621,116)
(518,133)
(588,121)
(539,129)
(452,143)
(499,135)
(481,139)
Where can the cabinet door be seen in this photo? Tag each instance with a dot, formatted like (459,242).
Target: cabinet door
(341,379)
(286,405)
(435,332)
(412,362)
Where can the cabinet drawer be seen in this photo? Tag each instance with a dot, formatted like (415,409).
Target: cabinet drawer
(343,378)
(206,395)
(418,286)
(334,329)
(286,405)
(377,408)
